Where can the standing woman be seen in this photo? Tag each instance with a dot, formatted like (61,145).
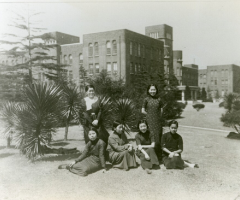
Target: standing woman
(121,153)
(92,115)
(152,108)
(145,144)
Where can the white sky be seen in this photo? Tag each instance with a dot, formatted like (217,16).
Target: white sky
(207,32)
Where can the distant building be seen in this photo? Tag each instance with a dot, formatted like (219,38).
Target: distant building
(219,80)
(53,40)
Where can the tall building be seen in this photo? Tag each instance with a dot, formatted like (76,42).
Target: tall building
(123,53)
(219,80)
(163,33)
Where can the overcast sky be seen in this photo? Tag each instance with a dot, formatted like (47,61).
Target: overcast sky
(207,32)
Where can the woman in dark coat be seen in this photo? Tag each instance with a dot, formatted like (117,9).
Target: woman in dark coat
(92,115)
(145,144)
(152,108)
(121,152)
(172,145)
(92,158)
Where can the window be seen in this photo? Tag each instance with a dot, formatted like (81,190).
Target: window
(222,72)
(139,50)
(80,58)
(108,48)
(131,48)
(70,59)
(226,82)
(204,76)
(131,68)
(223,93)
(139,68)
(12,62)
(7,62)
(96,51)
(114,47)
(215,73)
(3,63)
(211,73)
(90,50)
(215,82)
(97,68)
(222,82)
(136,49)
(136,69)
(115,67)
(143,51)
(226,73)
(109,67)
(90,68)
(212,82)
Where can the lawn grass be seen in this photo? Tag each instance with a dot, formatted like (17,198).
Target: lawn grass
(217,178)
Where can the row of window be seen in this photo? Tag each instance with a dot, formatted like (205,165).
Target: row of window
(214,82)
(139,50)
(137,68)
(111,67)
(111,48)
(13,62)
(69,59)
(224,73)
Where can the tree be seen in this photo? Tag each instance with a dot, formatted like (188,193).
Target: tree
(217,96)
(34,119)
(70,105)
(203,94)
(30,48)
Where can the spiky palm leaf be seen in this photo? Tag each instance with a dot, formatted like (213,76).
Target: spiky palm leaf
(35,118)
(105,105)
(124,112)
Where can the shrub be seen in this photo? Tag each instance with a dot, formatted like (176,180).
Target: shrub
(231,118)
(198,106)
(221,104)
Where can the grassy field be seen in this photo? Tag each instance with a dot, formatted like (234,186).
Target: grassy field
(217,178)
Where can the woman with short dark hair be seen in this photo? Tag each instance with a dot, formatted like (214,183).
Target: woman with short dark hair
(145,144)
(152,108)
(172,145)
(121,152)
(92,158)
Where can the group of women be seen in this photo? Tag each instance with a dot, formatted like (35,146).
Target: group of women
(152,147)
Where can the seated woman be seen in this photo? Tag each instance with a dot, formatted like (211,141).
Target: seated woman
(121,153)
(172,145)
(92,158)
(145,143)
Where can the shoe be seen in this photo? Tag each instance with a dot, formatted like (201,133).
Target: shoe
(64,166)
(148,171)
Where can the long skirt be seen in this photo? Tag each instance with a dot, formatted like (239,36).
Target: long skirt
(88,165)
(175,162)
(122,160)
(148,164)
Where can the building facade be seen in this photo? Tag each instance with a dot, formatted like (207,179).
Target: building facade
(219,80)
(123,53)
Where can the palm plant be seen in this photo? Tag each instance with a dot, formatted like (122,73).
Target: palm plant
(33,120)
(70,105)
(124,112)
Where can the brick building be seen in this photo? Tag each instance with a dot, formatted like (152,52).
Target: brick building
(219,80)
(123,53)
